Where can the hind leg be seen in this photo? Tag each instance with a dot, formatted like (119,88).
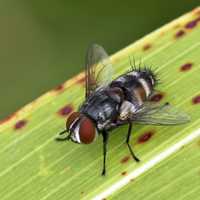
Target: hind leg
(127,142)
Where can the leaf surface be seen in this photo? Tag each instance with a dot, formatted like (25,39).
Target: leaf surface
(34,166)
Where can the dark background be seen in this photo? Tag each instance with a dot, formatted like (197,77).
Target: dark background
(43,43)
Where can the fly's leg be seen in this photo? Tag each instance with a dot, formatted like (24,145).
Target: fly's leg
(60,136)
(127,142)
(105,141)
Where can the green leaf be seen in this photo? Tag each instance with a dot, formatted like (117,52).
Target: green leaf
(35,166)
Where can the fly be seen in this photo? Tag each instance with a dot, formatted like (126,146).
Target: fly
(112,103)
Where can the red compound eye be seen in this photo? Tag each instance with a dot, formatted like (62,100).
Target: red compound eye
(71,119)
(87,131)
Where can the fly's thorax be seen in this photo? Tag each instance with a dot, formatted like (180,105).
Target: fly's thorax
(102,107)
(81,128)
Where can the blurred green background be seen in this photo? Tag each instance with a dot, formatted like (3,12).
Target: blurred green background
(43,43)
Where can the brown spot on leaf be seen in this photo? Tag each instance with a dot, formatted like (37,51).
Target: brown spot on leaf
(145,137)
(20,124)
(59,88)
(66,110)
(192,24)
(196,100)
(125,159)
(124,173)
(179,33)
(157,97)
(81,80)
(186,66)
(146,47)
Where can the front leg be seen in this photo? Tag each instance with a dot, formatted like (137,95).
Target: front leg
(62,137)
(105,141)
(127,142)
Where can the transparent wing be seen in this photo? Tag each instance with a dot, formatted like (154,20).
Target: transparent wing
(99,69)
(160,115)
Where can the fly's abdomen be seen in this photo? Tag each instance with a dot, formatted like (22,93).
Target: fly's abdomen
(137,85)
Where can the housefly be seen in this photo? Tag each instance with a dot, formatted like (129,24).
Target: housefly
(112,103)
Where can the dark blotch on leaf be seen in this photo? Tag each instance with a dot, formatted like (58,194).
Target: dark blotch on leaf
(59,88)
(81,80)
(192,23)
(20,124)
(66,110)
(179,33)
(124,173)
(157,97)
(196,100)
(145,137)
(186,67)
(125,159)
(146,47)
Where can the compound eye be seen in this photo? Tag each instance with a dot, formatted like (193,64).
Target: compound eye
(71,119)
(87,131)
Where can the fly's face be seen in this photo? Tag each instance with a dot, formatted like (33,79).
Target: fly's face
(81,129)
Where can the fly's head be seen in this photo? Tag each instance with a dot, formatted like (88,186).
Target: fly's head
(81,128)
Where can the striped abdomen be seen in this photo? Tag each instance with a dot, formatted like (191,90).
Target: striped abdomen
(136,85)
